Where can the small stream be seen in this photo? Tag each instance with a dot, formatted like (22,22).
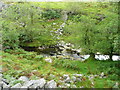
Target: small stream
(55,51)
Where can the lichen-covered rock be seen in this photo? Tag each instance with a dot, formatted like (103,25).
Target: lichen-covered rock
(51,84)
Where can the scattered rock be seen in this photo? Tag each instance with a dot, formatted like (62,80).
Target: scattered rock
(73,86)
(116,85)
(65,76)
(78,75)
(48,60)
(23,78)
(38,83)
(51,84)
(28,83)
(18,85)
(67,85)
(5,85)
(79,79)
(52,76)
(68,80)
(73,78)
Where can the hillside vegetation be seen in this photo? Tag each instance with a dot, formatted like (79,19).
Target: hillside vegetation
(57,29)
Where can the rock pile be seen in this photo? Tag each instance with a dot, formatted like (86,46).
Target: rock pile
(65,81)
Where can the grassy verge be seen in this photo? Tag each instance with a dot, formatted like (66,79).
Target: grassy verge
(19,63)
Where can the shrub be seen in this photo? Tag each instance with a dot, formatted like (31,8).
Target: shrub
(51,14)
(10,39)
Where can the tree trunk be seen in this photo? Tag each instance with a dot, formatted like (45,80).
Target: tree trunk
(111,53)
(92,56)
(110,56)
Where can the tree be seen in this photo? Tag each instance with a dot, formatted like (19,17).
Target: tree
(82,34)
(96,30)
(27,22)
(109,36)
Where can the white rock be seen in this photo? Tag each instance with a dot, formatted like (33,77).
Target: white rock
(48,60)
(81,86)
(5,85)
(38,83)
(73,78)
(102,57)
(60,81)
(5,80)
(102,74)
(73,86)
(67,85)
(78,75)
(18,85)
(115,58)
(67,80)
(78,50)
(116,85)
(1,83)
(23,88)
(54,23)
(51,84)
(65,76)
(0,77)
(79,79)
(28,83)
(23,78)
(52,76)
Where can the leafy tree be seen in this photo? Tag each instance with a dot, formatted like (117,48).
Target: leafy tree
(96,30)
(109,35)
(26,21)
(83,34)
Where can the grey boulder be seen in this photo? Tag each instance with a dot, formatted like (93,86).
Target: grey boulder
(51,84)
(18,85)
(38,83)
(23,78)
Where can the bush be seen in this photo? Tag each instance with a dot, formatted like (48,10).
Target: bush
(10,39)
(51,14)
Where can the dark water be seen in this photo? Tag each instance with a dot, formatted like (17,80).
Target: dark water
(52,51)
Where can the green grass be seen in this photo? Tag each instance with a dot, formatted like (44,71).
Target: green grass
(19,62)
